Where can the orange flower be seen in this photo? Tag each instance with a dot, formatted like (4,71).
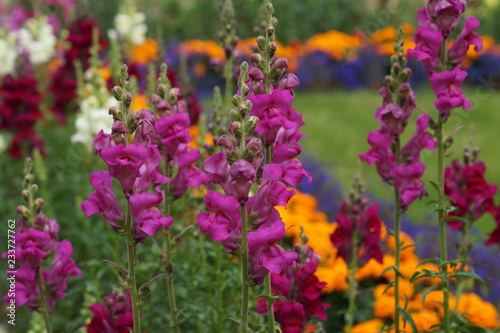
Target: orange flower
(145,52)
(370,326)
(335,276)
(207,47)
(424,319)
(477,311)
(104,72)
(384,306)
(139,102)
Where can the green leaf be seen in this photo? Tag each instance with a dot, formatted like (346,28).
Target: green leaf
(407,246)
(407,318)
(434,260)
(389,285)
(457,218)
(392,268)
(434,184)
(470,275)
(475,327)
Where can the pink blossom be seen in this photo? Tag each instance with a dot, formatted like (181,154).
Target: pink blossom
(124,163)
(446,86)
(223,224)
(265,255)
(148,219)
(467,37)
(103,200)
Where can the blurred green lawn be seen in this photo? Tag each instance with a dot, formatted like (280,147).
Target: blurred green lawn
(337,124)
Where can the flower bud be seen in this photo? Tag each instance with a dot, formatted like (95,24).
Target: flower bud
(113,110)
(25,194)
(174,94)
(256,58)
(261,42)
(39,203)
(117,93)
(154,99)
(127,99)
(163,106)
(22,210)
(235,115)
(280,63)
(237,100)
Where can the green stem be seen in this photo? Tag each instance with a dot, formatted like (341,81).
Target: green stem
(43,302)
(464,257)
(270,310)
(169,267)
(170,284)
(228,89)
(353,284)
(218,279)
(442,224)
(397,240)
(244,269)
(132,283)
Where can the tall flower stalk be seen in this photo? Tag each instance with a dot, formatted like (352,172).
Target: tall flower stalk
(36,244)
(135,164)
(437,20)
(357,238)
(260,151)
(399,165)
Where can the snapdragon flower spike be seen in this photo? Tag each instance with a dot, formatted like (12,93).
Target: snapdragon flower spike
(397,164)
(37,243)
(301,289)
(358,221)
(115,315)
(171,131)
(466,185)
(437,20)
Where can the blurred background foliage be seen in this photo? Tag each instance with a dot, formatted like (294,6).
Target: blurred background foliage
(298,19)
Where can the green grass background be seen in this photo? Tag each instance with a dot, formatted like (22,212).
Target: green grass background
(337,124)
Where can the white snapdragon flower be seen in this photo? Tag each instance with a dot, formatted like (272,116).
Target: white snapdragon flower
(130,27)
(4,142)
(92,118)
(8,55)
(38,39)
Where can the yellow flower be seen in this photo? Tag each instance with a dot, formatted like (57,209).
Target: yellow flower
(477,311)
(370,326)
(145,52)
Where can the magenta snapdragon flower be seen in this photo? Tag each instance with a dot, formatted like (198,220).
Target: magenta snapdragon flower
(446,86)
(147,217)
(103,200)
(223,224)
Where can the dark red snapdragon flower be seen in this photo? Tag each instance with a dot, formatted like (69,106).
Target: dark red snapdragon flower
(19,112)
